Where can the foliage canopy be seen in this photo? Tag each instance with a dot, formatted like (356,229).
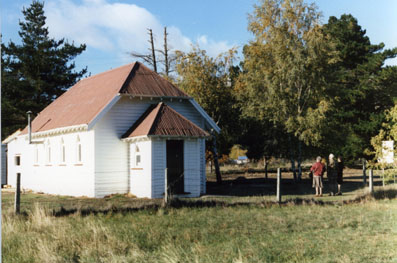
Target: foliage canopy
(36,71)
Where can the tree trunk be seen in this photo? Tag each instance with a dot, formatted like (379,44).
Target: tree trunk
(153,51)
(167,69)
(266,164)
(299,160)
(292,157)
(364,172)
(216,163)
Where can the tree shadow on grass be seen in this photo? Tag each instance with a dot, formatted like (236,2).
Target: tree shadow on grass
(242,186)
(198,203)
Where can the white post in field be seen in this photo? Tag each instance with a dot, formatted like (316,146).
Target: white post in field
(279,185)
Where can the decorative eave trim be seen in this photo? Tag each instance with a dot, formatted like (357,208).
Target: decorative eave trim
(177,137)
(11,137)
(136,139)
(103,111)
(209,120)
(164,137)
(62,130)
(155,97)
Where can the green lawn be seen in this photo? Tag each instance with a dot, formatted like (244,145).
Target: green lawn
(227,229)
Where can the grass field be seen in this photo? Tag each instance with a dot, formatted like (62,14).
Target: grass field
(349,228)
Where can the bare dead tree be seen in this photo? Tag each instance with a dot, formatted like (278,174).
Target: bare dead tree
(153,51)
(167,59)
(151,57)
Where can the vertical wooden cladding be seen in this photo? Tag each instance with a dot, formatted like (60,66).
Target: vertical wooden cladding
(158,167)
(192,167)
(191,163)
(203,176)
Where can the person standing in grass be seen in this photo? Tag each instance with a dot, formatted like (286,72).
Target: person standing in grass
(339,177)
(332,175)
(318,169)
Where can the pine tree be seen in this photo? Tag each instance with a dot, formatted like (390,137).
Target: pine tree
(362,88)
(35,72)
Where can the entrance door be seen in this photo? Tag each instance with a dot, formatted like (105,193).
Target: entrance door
(175,166)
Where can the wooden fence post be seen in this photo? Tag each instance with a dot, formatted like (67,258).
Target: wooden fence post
(166,187)
(17,204)
(364,173)
(383,177)
(371,181)
(279,185)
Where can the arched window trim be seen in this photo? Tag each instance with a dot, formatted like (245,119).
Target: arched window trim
(62,149)
(36,154)
(79,151)
(48,152)
(138,160)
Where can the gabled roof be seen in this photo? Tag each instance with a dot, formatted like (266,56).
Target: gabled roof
(145,82)
(11,137)
(162,120)
(88,98)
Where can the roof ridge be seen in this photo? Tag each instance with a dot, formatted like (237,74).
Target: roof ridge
(161,119)
(130,75)
(108,71)
(157,114)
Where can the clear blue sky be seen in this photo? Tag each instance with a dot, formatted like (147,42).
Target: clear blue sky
(111,28)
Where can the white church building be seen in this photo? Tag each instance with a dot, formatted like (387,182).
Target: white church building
(114,132)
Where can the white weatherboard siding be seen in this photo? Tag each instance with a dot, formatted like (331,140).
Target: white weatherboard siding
(188,111)
(203,177)
(159,163)
(141,172)
(111,153)
(106,159)
(192,167)
(191,158)
(52,175)
(3,164)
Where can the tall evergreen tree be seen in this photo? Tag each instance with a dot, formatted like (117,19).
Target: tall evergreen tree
(36,71)
(362,88)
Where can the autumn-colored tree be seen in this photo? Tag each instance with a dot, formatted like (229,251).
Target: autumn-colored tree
(236,151)
(285,70)
(209,81)
(386,133)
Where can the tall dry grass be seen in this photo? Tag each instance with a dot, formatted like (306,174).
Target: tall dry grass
(41,237)
(361,231)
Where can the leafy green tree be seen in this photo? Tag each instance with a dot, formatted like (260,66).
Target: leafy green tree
(387,132)
(36,71)
(362,88)
(285,70)
(210,82)
(236,151)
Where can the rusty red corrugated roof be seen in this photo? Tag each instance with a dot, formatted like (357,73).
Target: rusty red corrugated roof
(162,120)
(88,97)
(145,82)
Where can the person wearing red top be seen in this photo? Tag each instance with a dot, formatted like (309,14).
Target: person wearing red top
(318,170)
